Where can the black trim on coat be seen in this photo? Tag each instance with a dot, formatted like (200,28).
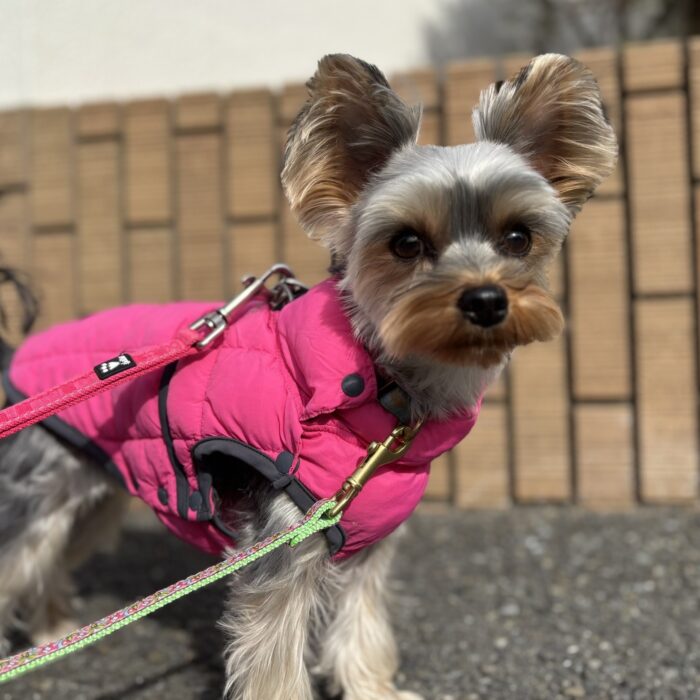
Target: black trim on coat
(67,433)
(270,470)
(181,483)
(276,472)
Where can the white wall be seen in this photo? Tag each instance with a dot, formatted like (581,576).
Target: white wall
(70,51)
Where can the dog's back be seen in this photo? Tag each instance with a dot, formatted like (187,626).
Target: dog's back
(46,492)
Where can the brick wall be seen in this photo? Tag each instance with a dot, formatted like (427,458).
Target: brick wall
(154,200)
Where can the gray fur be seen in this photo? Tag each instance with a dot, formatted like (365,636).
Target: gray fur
(551,113)
(47,495)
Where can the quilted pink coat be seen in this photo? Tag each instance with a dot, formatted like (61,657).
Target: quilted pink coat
(290,394)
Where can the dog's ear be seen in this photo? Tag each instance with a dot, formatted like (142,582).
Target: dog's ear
(551,114)
(346,131)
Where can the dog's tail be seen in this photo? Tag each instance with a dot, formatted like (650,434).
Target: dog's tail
(28,303)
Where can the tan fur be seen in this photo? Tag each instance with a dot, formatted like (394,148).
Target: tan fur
(298,616)
(267,623)
(347,130)
(551,113)
(358,653)
(427,321)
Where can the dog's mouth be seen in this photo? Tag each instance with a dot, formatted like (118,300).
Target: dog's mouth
(430,321)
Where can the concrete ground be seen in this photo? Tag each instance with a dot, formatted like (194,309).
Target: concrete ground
(528,604)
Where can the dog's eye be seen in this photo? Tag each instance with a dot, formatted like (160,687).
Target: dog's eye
(517,241)
(407,244)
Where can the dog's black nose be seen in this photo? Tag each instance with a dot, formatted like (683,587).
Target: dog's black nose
(484,306)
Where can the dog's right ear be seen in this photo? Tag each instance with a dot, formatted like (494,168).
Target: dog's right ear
(347,131)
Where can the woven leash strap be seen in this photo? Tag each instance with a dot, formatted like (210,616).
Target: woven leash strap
(35,409)
(315,520)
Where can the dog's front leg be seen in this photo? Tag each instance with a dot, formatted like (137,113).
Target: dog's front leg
(267,616)
(358,654)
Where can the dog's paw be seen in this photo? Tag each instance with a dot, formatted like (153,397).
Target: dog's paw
(408,695)
(53,632)
(386,694)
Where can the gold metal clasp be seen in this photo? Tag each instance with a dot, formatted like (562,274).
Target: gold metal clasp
(378,454)
(217,321)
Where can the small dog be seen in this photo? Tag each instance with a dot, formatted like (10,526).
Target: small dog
(439,268)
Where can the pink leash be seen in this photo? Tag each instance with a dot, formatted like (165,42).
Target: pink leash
(39,407)
(125,367)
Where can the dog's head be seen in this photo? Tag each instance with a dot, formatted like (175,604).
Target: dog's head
(445,251)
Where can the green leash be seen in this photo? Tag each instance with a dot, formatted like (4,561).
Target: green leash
(317,519)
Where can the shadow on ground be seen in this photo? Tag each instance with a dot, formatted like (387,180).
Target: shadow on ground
(537,603)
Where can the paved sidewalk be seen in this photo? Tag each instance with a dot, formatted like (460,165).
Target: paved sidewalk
(529,604)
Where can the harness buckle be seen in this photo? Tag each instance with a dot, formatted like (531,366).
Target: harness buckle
(218,320)
(286,290)
(389,450)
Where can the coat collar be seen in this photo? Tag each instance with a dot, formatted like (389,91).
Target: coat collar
(334,371)
(331,368)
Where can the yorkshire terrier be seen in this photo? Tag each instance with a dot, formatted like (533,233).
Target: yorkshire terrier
(439,268)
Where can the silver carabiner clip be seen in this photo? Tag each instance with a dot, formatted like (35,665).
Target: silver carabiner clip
(219,319)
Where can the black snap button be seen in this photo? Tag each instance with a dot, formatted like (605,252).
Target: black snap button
(163,495)
(353,385)
(284,462)
(196,500)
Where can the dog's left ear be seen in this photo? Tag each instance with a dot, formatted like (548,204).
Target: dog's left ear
(347,130)
(551,114)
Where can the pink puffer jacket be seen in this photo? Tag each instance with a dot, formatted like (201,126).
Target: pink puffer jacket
(290,394)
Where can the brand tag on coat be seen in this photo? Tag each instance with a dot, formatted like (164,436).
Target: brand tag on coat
(115,365)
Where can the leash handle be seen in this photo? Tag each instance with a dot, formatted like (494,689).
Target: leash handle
(39,407)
